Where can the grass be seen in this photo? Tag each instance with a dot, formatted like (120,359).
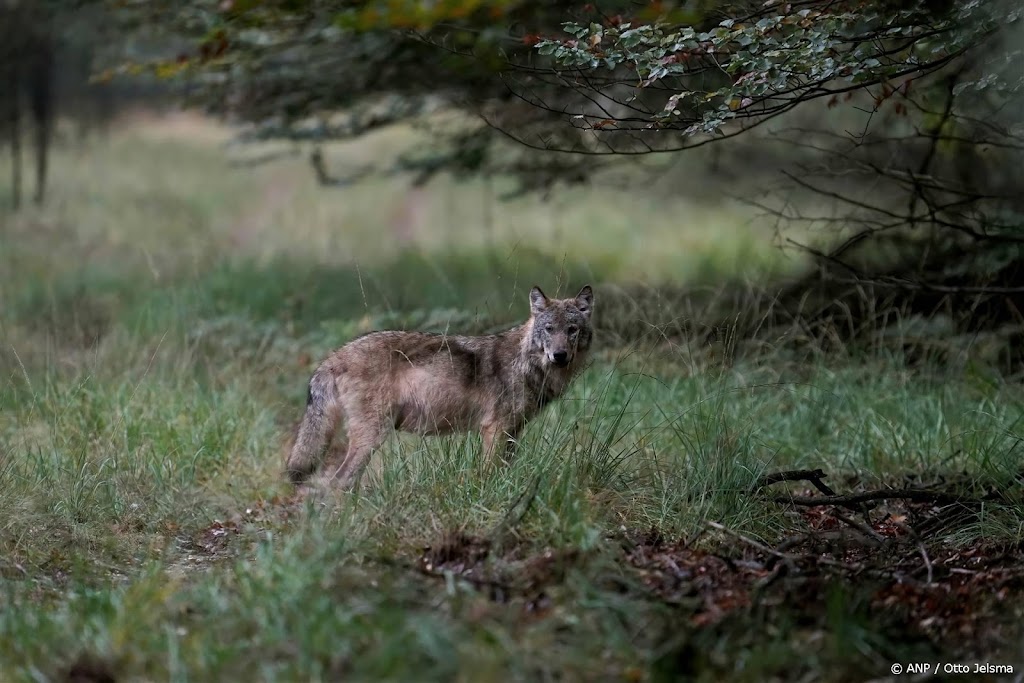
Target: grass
(162,313)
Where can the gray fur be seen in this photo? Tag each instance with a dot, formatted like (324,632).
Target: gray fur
(438,384)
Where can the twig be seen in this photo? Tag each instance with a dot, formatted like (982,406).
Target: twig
(943,518)
(767,580)
(927,561)
(916,495)
(788,559)
(793,541)
(499,591)
(813,476)
(910,531)
(444,574)
(859,526)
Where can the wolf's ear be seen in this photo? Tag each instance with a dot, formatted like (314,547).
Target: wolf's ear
(585,300)
(538,302)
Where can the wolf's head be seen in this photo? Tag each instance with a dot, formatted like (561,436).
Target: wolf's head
(561,327)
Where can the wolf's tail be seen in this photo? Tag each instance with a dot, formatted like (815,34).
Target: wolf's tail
(316,429)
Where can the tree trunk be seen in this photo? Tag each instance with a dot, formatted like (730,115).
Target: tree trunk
(13,112)
(40,83)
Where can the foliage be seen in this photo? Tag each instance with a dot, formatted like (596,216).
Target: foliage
(759,65)
(937,81)
(280,63)
(319,70)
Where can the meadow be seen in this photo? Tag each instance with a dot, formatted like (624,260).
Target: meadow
(160,316)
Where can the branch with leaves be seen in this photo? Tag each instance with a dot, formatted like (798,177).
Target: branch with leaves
(765,63)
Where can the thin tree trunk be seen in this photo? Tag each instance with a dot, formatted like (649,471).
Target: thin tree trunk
(41,103)
(14,131)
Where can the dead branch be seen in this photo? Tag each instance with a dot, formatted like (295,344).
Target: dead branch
(813,476)
(860,526)
(915,495)
(854,501)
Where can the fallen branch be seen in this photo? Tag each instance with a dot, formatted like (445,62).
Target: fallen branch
(813,476)
(854,501)
(916,495)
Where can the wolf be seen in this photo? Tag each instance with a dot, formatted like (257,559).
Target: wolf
(432,384)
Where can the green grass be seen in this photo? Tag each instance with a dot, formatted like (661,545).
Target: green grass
(161,316)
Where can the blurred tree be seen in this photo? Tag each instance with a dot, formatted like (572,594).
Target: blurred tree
(931,174)
(625,74)
(46,63)
(318,70)
(933,167)
(26,73)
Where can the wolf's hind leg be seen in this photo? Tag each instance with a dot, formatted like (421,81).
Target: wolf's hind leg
(317,428)
(364,437)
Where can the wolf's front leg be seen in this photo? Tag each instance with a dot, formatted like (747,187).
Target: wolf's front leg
(500,442)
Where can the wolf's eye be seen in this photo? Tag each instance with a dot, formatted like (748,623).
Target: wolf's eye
(573,329)
(549,328)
